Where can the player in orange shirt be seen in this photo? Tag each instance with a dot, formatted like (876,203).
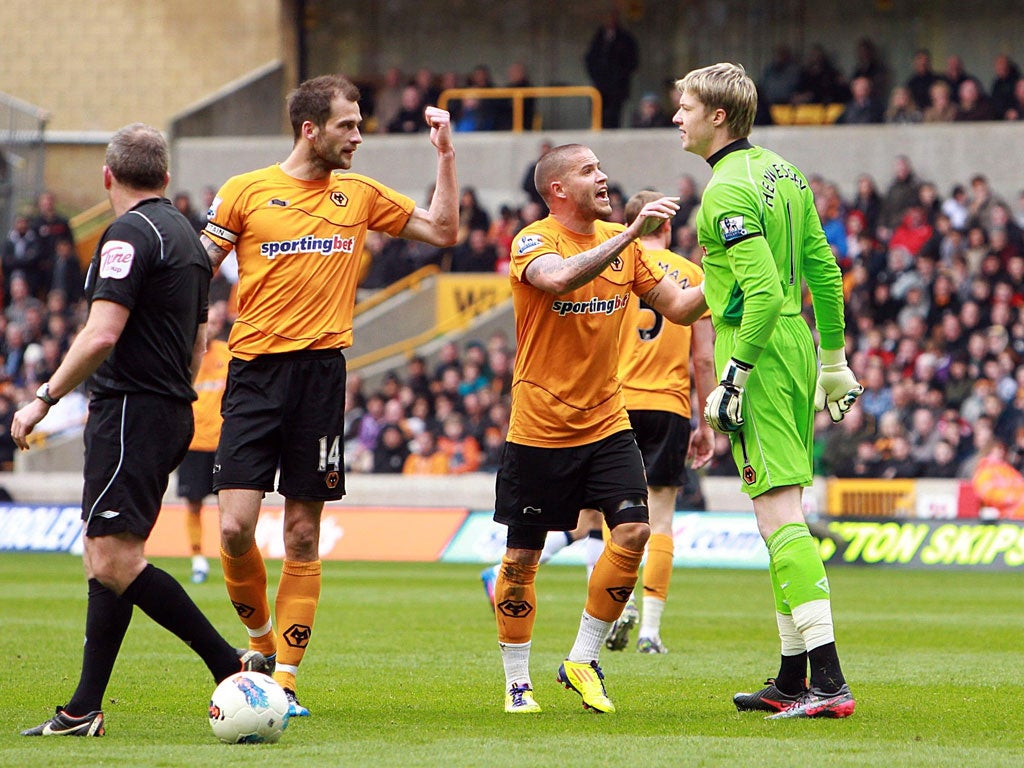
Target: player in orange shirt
(298,230)
(195,473)
(570,445)
(654,365)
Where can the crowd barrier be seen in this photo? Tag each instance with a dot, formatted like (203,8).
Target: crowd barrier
(464,535)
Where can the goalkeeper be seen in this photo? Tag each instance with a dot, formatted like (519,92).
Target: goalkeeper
(762,241)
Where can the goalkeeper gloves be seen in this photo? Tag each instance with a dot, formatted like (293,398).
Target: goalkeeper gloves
(837,387)
(724,406)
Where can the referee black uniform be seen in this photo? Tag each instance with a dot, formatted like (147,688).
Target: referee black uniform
(140,410)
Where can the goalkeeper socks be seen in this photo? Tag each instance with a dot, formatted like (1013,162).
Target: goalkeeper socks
(515,598)
(245,578)
(826,674)
(804,587)
(164,600)
(612,581)
(106,622)
(298,594)
(792,675)
(798,570)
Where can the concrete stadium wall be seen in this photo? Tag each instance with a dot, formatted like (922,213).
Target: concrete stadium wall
(494,163)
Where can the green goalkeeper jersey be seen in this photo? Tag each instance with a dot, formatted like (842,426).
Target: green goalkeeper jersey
(762,241)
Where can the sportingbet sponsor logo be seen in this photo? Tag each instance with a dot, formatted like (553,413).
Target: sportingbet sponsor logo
(595,306)
(325,246)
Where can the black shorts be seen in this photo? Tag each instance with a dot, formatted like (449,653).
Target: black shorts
(664,440)
(547,487)
(195,475)
(284,412)
(132,445)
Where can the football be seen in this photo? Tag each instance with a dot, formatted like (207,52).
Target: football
(248,708)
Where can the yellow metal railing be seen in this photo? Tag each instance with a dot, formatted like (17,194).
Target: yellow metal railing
(872,498)
(529,92)
(409,282)
(408,347)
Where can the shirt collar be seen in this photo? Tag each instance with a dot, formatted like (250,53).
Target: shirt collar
(735,146)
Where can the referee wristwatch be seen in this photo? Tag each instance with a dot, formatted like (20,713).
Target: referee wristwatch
(43,393)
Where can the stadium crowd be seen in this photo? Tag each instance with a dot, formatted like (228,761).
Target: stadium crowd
(934,283)
(868,93)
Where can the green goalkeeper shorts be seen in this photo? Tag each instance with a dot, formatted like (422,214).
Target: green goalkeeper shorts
(773,447)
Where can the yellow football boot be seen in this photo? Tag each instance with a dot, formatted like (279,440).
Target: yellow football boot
(588,681)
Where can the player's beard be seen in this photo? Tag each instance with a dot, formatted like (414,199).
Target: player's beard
(329,156)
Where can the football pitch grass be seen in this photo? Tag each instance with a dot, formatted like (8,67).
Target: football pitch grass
(403,670)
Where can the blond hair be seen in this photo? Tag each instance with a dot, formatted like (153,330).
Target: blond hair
(636,203)
(728,87)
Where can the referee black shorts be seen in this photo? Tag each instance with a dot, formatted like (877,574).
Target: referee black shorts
(664,440)
(284,412)
(547,487)
(133,442)
(195,475)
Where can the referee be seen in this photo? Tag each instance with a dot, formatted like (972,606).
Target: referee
(147,288)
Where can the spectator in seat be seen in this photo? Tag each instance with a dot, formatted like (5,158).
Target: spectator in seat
(820,81)
(920,82)
(650,113)
(942,463)
(1004,88)
(1015,107)
(409,118)
(973,104)
(941,108)
(424,457)
(462,450)
(902,109)
(781,77)
(863,107)
(997,483)
(956,75)
(387,101)
(901,194)
(475,254)
(391,451)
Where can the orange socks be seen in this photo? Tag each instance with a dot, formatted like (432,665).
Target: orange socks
(246,580)
(658,568)
(194,531)
(515,600)
(298,594)
(612,581)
